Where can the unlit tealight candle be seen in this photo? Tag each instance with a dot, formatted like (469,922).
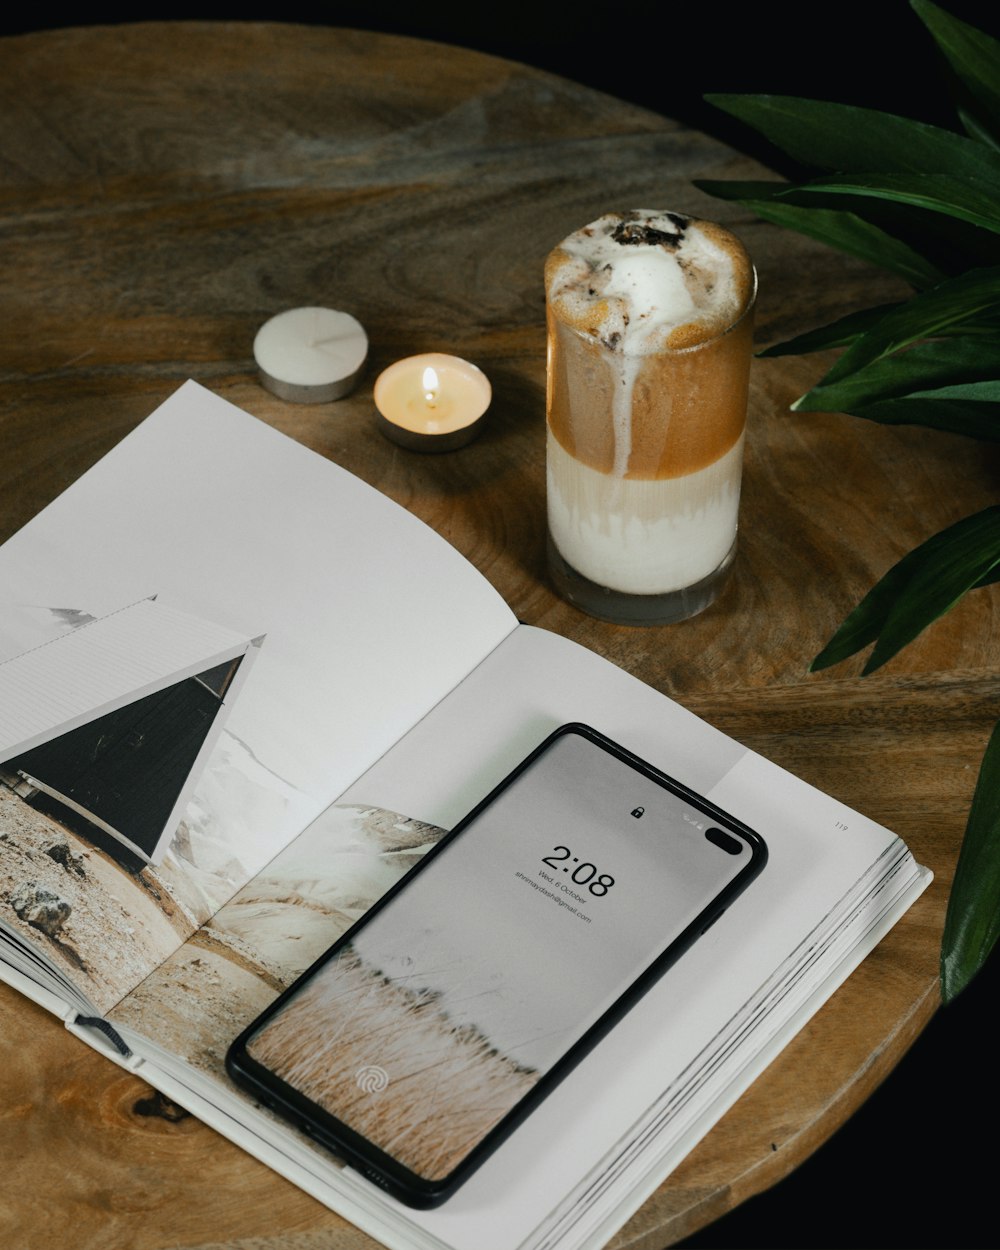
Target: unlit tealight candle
(310,355)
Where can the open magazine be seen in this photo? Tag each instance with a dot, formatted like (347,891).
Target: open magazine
(241,694)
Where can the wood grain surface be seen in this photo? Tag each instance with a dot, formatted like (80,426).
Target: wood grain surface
(164,189)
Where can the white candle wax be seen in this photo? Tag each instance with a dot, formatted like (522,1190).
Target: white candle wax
(432,402)
(310,355)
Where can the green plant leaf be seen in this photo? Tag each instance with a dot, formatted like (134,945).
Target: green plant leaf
(926,366)
(972,922)
(743,189)
(976,201)
(975,129)
(973,55)
(951,307)
(931,244)
(922,587)
(849,139)
(954,562)
(840,228)
(953,414)
(840,333)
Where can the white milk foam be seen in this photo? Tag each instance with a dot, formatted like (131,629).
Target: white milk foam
(639,536)
(650,289)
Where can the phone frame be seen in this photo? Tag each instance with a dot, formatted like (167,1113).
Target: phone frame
(372,1162)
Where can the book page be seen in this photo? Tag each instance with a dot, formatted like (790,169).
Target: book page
(819,851)
(216,613)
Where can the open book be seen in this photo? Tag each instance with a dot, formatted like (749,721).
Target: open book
(241,693)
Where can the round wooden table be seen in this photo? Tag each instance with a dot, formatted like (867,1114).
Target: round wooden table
(166,188)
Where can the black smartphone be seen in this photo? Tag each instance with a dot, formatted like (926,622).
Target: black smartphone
(420,1040)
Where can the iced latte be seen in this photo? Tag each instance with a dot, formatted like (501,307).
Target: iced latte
(650,334)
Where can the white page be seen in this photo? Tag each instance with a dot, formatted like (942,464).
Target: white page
(369,616)
(532,683)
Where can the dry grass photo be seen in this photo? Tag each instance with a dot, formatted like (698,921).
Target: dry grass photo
(444,1086)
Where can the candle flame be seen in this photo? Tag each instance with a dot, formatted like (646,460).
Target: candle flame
(430,384)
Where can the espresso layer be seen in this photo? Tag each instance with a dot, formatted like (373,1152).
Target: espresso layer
(651,417)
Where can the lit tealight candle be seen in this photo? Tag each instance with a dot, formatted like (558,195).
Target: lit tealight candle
(310,355)
(432,402)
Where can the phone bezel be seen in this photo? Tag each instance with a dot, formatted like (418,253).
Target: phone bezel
(372,1162)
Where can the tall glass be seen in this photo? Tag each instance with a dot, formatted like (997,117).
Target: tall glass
(650,334)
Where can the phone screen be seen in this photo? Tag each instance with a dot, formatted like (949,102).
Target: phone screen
(463,993)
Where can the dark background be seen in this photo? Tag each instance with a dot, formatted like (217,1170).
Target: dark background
(867,52)
(916,1167)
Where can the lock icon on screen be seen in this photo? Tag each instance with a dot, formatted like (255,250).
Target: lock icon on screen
(637,812)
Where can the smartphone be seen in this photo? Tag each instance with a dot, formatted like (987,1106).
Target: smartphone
(427,1033)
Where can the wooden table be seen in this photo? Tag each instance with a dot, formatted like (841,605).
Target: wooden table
(165,189)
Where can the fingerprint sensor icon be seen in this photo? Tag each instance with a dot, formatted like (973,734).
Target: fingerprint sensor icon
(371,1079)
